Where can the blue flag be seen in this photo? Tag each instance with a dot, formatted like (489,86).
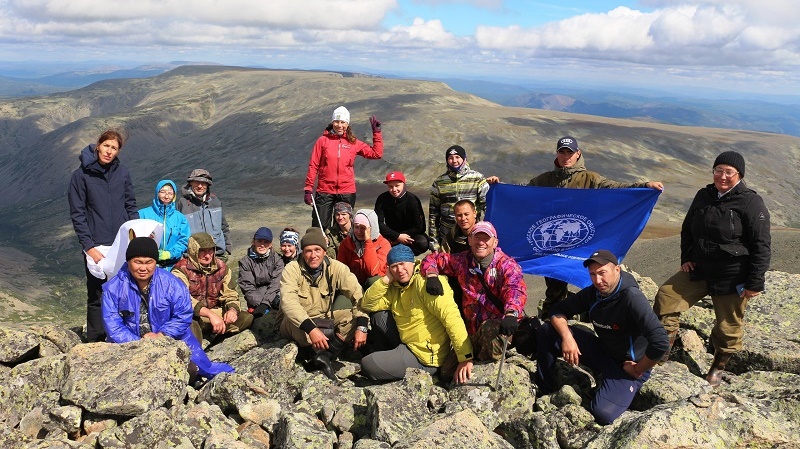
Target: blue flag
(550,231)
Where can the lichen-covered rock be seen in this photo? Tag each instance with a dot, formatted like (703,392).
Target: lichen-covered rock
(234,392)
(457,431)
(366,443)
(66,418)
(205,420)
(274,370)
(396,409)
(232,347)
(61,338)
(536,433)
(253,435)
(17,345)
(31,384)
(344,407)
(662,388)
(126,379)
(156,428)
(301,431)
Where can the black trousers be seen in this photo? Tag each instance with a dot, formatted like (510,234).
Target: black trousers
(94,314)
(325,203)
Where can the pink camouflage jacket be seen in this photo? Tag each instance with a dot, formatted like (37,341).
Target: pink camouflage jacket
(503,277)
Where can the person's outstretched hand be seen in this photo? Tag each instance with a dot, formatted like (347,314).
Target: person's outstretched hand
(376,124)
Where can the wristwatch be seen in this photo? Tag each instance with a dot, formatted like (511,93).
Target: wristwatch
(513,313)
(362,329)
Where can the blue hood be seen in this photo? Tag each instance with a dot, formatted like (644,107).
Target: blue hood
(160,208)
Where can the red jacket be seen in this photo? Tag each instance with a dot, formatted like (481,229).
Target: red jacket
(373,263)
(332,160)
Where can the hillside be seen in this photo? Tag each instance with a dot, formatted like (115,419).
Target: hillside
(253,129)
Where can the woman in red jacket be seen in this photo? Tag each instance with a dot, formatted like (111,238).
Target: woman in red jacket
(331,165)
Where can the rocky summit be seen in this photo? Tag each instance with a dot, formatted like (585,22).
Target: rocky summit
(56,391)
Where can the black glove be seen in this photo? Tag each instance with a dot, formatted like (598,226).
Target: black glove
(260,310)
(508,325)
(276,303)
(434,286)
(307,197)
(376,125)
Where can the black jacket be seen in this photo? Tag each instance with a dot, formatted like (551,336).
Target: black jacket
(728,239)
(260,278)
(100,199)
(397,216)
(624,321)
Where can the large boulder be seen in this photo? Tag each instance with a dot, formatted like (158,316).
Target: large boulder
(234,392)
(460,430)
(396,409)
(232,347)
(297,430)
(17,345)
(31,384)
(126,379)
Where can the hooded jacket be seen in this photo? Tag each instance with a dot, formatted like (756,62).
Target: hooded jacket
(205,215)
(260,278)
(373,251)
(429,325)
(624,321)
(100,199)
(168,312)
(332,160)
(397,216)
(176,228)
(728,239)
(448,189)
(578,177)
(208,286)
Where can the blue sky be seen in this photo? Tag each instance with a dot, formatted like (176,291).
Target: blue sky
(737,45)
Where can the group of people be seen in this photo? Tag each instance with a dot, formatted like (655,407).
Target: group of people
(361,279)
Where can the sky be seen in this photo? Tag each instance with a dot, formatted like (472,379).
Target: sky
(737,45)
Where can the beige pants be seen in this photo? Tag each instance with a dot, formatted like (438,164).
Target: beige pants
(680,293)
(202,326)
(343,325)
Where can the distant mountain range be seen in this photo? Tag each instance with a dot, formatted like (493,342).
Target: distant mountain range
(254,129)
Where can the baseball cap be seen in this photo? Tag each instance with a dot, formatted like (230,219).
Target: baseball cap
(395,176)
(602,257)
(568,142)
(485,227)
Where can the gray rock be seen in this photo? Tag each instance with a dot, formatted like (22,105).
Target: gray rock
(32,424)
(61,338)
(204,421)
(344,407)
(17,345)
(154,375)
(31,384)
(155,428)
(661,388)
(396,409)
(536,433)
(274,370)
(366,443)
(234,392)
(512,402)
(66,418)
(253,435)
(460,430)
(301,431)
(232,347)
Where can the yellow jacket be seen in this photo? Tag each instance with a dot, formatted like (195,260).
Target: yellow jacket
(429,325)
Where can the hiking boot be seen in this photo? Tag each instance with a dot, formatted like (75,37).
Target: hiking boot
(672,337)
(714,376)
(322,361)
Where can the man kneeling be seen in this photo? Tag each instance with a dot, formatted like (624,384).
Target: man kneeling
(141,292)
(629,341)
(420,329)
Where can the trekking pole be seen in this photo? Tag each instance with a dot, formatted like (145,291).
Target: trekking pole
(316,212)
(502,361)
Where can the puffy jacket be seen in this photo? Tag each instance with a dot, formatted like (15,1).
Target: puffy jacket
(728,239)
(448,189)
(205,215)
(578,177)
(303,298)
(624,321)
(429,325)
(209,286)
(176,228)
(332,160)
(503,276)
(100,199)
(169,312)
(260,278)
(397,216)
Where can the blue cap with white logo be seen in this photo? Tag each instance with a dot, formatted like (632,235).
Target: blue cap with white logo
(568,142)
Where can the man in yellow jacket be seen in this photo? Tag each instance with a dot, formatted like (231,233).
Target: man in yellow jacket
(421,330)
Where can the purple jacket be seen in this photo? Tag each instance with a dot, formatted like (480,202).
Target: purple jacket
(169,311)
(503,277)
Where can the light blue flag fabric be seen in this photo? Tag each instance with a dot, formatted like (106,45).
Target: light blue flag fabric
(550,231)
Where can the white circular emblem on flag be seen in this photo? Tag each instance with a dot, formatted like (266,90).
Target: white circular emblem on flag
(558,233)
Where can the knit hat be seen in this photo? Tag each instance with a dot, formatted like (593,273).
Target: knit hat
(203,240)
(263,234)
(456,149)
(733,159)
(399,253)
(314,236)
(199,174)
(341,113)
(343,206)
(569,143)
(602,257)
(289,237)
(142,247)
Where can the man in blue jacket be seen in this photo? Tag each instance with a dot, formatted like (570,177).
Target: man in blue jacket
(627,342)
(143,292)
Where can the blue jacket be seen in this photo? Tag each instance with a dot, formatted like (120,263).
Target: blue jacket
(169,311)
(100,200)
(176,228)
(624,321)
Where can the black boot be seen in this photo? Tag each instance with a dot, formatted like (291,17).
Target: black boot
(714,376)
(323,359)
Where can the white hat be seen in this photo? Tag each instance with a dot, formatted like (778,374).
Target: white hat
(341,113)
